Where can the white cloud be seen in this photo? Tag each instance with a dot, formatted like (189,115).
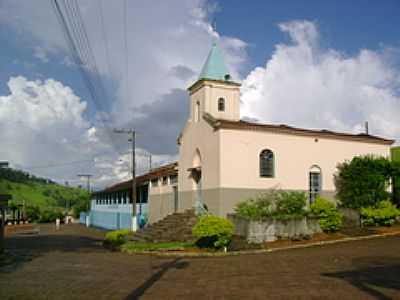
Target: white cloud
(44,130)
(158,43)
(306,85)
(168,43)
(41,54)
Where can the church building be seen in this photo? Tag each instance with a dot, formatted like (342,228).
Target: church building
(224,160)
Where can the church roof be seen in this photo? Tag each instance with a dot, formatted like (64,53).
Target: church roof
(214,67)
(285,129)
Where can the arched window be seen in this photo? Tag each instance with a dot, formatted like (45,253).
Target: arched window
(197,112)
(221,104)
(267,163)
(315,182)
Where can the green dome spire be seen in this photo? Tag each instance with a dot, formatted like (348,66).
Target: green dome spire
(215,68)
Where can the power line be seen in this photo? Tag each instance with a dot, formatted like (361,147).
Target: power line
(104,35)
(126,51)
(53,165)
(78,42)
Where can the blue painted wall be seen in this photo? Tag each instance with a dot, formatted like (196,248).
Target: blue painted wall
(111,220)
(115,217)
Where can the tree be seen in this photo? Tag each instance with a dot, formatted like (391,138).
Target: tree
(363,181)
(395,174)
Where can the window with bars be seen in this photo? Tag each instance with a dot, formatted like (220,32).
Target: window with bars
(173,179)
(221,104)
(267,165)
(154,182)
(315,185)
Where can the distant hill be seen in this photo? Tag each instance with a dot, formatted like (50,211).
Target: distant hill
(39,192)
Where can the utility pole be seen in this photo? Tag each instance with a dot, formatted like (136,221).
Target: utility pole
(87,176)
(150,162)
(3,203)
(132,139)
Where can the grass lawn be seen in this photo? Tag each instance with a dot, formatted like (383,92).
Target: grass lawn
(131,247)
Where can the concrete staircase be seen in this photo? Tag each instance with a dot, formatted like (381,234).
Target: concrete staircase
(173,228)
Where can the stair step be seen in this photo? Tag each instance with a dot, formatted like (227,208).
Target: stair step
(174,227)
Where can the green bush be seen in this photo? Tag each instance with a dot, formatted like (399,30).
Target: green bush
(49,215)
(116,238)
(384,213)
(291,204)
(363,181)
(33,213)
(213,232)
(255,209)
(274,203)
(329,217)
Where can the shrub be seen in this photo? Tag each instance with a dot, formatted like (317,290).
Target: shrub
(255,209)
(329,217)
(274,203)
(33,213)
(291,204)
(213,232)
(383,213)
(50,215)
(115,239)
(363,181)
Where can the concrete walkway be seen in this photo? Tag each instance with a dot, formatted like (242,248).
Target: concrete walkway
(71,264)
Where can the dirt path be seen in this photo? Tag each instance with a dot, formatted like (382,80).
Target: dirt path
(71,264)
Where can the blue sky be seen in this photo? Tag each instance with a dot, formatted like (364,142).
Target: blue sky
(319,64)
(344,25)
(347,26)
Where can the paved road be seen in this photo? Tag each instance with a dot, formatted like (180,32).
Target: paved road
(71,264)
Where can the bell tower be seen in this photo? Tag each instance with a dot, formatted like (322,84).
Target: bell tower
(214,93)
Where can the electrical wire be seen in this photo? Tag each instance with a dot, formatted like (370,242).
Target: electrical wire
(126,51)
(105,40)
(70,19)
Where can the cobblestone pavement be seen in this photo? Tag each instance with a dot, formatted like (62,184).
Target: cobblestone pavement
(71,264)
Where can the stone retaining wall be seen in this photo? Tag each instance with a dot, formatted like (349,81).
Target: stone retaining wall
(351,217)
(273,229)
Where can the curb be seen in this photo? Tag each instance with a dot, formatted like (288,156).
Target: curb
(260,251)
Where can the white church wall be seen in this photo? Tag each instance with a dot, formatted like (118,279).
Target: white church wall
(230,94)
(199,136)
(294,156)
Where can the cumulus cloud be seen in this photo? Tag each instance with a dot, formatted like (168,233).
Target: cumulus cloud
(304,84)
(166,50)
(44,130)
(166,53)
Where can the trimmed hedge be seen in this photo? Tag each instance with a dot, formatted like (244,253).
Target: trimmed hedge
(213,232)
